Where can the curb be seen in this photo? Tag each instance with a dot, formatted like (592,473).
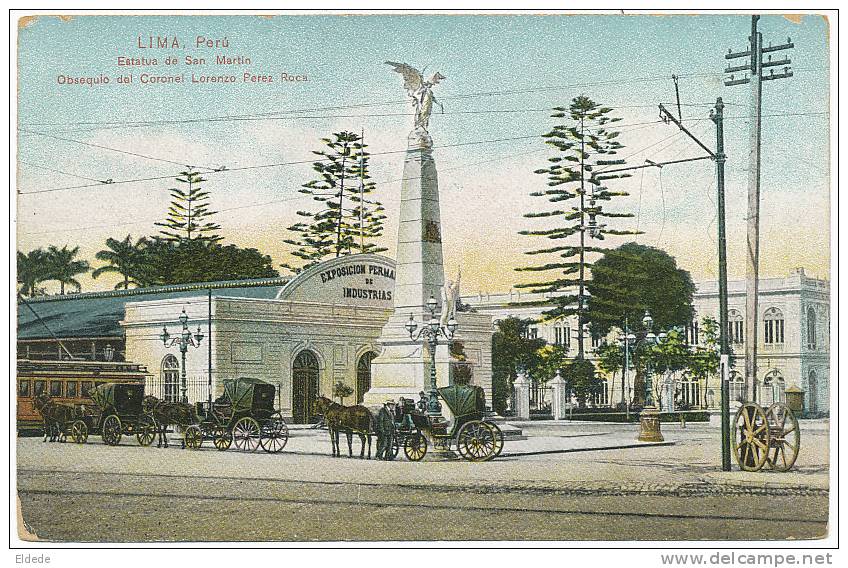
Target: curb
(767,480)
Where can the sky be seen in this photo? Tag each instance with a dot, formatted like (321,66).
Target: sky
(504,73)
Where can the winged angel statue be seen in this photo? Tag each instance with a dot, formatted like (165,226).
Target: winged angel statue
(421,92)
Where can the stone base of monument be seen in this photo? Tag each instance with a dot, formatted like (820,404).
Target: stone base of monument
(440,455)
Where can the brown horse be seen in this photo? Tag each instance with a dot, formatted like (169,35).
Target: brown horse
(55,415)
(348,419)
(166,413)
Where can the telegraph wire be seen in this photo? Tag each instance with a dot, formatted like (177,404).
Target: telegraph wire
(57,171)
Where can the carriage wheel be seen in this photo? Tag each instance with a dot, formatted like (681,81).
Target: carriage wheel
(476,441)
(146,433)
(751,443)
(394,450)
(79,432)
(193,437)
(246,434)
(415,446)
(222,438)
(112,430)
(785,437)
(499,439)
(274,434)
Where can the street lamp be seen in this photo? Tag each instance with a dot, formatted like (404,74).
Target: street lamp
(183,341)
(431,331)
(649,418)
(108,352)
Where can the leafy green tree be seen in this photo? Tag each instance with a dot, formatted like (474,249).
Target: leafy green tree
(705,359)
(551,358)
(341,391)
(512,348)
(347,221)
(582,380)
(197,260)
(583,144)
(32,269)
(633,278)
(665,358)
(63,266)
(188,213)
(610,360)
(126,258)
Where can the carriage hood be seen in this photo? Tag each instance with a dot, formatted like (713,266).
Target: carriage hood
(240,392)
(464,399)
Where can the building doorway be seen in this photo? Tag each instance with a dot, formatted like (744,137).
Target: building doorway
(170,378)
(304,387)
(363,375)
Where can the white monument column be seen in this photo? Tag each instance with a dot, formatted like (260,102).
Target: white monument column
(403,367)
(522,396)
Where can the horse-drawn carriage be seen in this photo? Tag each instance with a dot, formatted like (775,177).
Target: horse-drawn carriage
(766,437)
(117,411)
(244,415)
(472,433)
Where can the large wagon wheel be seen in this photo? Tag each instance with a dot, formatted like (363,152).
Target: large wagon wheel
(274,434)
(785,437)
(193,437)
(246,434)
(112,430)
(222,438)
(499,439)
(415,446)
(751,443)
(476,441)
(79,432)
(146,432)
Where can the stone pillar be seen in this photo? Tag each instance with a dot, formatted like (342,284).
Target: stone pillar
(560,402)
(403,367)
(522,396)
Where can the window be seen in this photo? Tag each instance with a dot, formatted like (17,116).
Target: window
(811,328)
(55,388)
(87,387)
(558,335)
(562,335)
(736,327)
(23,388)
(690,393)
(170,378)
(596,342)
(39,387)
(601,397)
(71,387)
(772,326)
(532,333)
(773,389)
(736,386)
(692,332)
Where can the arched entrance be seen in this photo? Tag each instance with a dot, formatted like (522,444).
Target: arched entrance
(304,386)
(813,386)
(363,375)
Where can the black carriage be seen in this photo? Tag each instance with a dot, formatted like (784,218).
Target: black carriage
(244,415)
(472,432)
(116,411)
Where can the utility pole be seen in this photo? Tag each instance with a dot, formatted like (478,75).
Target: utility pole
(755,66)
(717,117)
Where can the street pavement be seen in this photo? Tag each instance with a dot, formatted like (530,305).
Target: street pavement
(566,481)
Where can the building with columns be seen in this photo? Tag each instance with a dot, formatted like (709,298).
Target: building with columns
(793,350)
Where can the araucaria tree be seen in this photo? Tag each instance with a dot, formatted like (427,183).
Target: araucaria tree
(346,221)
(585,146)
(188,213)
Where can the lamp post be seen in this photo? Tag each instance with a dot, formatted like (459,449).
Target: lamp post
(627,340)
(649,418)
(431,331)
(108,352)
(183,340)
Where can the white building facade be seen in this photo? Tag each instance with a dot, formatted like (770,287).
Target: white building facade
(793,339)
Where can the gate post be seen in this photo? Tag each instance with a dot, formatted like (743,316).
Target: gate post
(522,396)
(560,401)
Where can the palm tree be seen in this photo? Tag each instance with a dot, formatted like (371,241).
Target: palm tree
(124,258)
(33,268)
(64,266)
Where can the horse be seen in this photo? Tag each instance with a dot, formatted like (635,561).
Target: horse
(165,413)
(55,415)
(348,419)
(384,425)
